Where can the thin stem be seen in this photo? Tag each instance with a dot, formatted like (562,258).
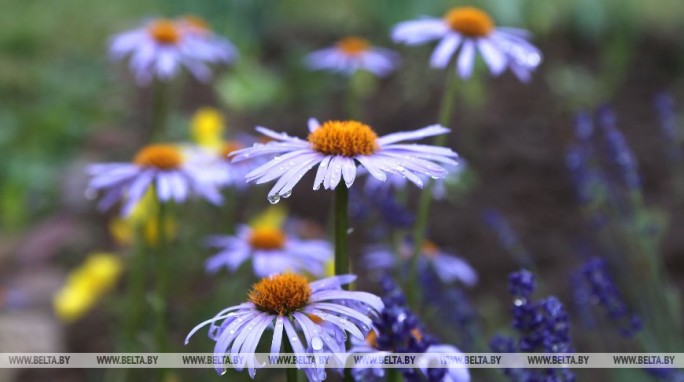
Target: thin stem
(420,228)
(341,227)
(161,106)
(136,285)
(290,373)
(161,270)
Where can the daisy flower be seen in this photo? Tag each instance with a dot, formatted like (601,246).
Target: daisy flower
(162,166)
(351,54)
(336,147)
(470,29)
(271,251)
(320,310)
(449,268)
(161,47)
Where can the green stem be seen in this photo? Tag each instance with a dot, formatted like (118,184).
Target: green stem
(341,227)
(420,229)
(290,373)
(161,106)
(161,270)
(136,295)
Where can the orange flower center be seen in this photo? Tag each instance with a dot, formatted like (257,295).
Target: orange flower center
(430,249)
(197,23)
(164,32)
(372,339)
(281,294)
(347,138)
(228,147)
(162,157)
(469,21)
(353,45)
(267,238)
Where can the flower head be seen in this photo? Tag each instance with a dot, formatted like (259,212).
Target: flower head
(271,250)
(470,29)
(336,147)
(351,54)
(161,47)
(446,266)
(321,310)
(86,285)
(161,166)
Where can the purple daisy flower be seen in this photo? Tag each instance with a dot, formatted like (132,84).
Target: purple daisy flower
(271,250)
(161,166)
(161,47)
(471,29)
(351,54)
(321,310)
(336,147)
(448,267)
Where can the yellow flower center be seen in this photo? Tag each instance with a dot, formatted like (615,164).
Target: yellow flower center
(353,45)
(470,21)
(372,339)
(164,32)
(162,157)
(228,147)
(267,238)
(347,138)
(281,294)
(430,249)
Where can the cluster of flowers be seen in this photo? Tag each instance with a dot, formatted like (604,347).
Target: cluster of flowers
(284,300)
(542,327)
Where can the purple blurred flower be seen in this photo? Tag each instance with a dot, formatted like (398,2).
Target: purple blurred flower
(163,167)
(160,48)
(351,54)
(271,250)
(471,29)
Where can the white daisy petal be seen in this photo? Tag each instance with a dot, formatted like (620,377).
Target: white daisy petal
(445,50)
(466,59)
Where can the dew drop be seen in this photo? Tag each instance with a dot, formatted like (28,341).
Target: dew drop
(317,343)
(286,194)
(274,199)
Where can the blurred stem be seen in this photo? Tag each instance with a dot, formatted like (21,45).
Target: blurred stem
(161,270)
(290,373)
(341,227)
(136,285)
(393,375)
(161,106)
(354,97)
(445,115)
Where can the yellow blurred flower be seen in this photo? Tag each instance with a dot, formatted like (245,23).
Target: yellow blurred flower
(86,284)
(144,215)
(207,128)
(272,217)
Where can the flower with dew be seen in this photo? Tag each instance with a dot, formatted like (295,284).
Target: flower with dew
(162,166)
(336,147)
(161,47)
(470,29)
(271,251)
(352,54)
(320,310)
(398,330)
(86,285)
(448,267)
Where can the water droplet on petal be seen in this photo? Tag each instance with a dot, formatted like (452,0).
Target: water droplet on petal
(274,199)
(317,343)
(286,194)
